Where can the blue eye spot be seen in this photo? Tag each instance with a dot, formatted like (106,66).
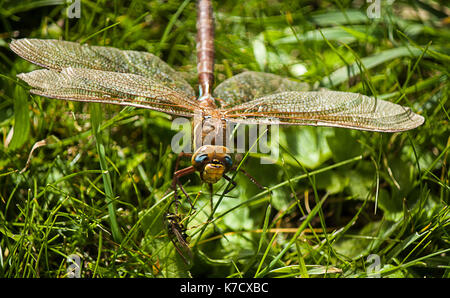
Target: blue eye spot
(228,161)
(201,158)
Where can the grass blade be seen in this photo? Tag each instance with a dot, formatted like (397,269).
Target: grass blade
(96,120)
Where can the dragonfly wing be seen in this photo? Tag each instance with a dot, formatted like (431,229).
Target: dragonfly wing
(326,108)
(250,85)
(90,85)
(59,54)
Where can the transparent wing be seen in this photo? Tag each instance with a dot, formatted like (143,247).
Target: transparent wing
(249,85)
(90,85)
(59,54)
(326,108)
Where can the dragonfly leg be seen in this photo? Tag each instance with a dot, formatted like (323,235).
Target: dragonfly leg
(252,179)
(176,181)
(177,164)
(176,202)
(234,184)
(182,154)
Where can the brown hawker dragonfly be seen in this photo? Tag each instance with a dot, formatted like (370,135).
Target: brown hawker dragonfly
(108,75)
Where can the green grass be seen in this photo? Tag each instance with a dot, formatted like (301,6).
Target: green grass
(334,196)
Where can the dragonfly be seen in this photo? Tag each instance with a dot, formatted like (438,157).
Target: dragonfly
(101,74)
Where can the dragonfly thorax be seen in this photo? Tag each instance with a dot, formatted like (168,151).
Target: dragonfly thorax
(209,130)
(207,101)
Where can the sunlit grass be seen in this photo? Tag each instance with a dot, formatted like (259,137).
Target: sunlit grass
(333,198)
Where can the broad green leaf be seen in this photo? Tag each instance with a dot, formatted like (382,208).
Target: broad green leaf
(361,36)
(332,182)
(403,173)
(260,53)
(343,144)
(361,181)
(358,245)
(340,18)
(332,33)
(344,73)
(240,218)
(391,206)
(309,144)
(281,199)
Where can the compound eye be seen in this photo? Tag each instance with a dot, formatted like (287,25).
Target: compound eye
(201,158)
(228,161)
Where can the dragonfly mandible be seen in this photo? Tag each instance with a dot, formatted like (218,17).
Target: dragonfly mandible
(132,78)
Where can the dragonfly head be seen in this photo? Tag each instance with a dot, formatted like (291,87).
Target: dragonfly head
(212,162)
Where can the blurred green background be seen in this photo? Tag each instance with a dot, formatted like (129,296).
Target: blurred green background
(366,193)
